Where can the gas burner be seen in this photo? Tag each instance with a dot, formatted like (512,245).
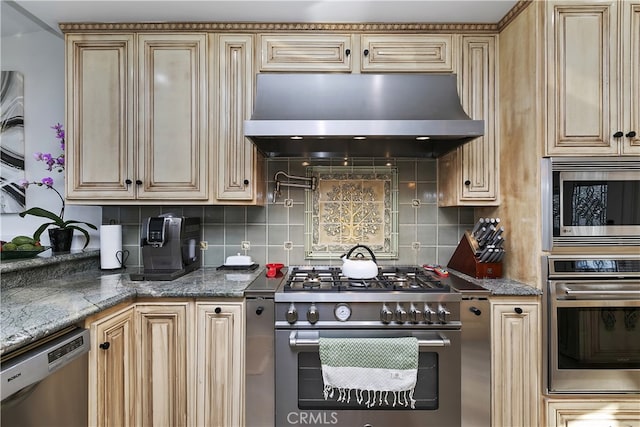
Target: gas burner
(311,282)
(326,279)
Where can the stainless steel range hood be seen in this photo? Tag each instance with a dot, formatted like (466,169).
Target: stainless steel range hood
(359,115)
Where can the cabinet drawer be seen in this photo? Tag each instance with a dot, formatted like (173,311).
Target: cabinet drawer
(432,53)
(300,52)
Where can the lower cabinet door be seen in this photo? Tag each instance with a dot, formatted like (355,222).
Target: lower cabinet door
(595,412)
(111,370)
(220,363)
(162,364)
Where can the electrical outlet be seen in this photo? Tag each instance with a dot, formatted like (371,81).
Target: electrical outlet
(288,246)
(245,245)
(288,203)
(415,246)
(204,245)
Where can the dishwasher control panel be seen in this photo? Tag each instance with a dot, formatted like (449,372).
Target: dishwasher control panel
(24,368)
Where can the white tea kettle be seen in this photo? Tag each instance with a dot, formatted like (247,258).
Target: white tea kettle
(360,267)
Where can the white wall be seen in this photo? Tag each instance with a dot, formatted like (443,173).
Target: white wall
(39,56)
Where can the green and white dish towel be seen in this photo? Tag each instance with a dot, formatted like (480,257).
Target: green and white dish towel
(371,369)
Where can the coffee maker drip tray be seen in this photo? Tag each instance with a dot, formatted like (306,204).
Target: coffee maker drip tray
(162,274)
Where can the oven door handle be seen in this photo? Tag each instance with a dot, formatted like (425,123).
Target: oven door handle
(298,342)
(622,294)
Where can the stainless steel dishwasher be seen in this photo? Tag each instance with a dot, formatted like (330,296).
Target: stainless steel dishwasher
(260,337)
(45,384)
(475,314)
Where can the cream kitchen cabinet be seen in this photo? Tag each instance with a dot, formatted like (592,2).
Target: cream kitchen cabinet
(239,165)
(220,331)
(357,53)
(171,362)
(593,57)
(136,118)
(112,369)
(515,362)
(305,52)
(597,411)
(162,375)
(469,175)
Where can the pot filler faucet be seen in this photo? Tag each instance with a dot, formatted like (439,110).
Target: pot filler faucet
(309,183)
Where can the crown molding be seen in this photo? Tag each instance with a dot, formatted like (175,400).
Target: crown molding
(513,13)
(260,27)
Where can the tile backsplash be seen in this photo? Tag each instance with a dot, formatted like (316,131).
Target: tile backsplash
(275,232)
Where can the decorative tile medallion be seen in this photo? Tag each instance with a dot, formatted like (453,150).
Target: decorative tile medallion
(351,206)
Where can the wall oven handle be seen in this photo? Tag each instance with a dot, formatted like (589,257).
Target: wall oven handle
(620,292)
(298,342)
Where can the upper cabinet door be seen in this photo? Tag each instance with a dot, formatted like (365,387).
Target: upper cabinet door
(99,116)
(631,77)
(305,52)
(469,175)
(407,53)
(172,134)
(238,175)
(583,64)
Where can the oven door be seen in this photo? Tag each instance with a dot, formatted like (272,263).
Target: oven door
(299,386)
(594,336)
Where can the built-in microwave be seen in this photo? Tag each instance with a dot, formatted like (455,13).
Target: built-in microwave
(590,202)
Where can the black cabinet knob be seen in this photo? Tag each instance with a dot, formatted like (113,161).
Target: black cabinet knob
(105,345)
(631,134)
(467,183)
(138,182)
(518,310)
(128,181)
(618,134)
(347,52)
(475,310)
(245,182)
(259,310)
(366,52)
(218,310)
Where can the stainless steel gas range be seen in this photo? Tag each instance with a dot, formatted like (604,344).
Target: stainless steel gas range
(318,302)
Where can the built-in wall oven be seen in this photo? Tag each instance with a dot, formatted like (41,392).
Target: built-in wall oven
(316,303)
(593,324)
(591,202)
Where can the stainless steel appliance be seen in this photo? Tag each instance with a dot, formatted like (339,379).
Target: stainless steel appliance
(315,302)
(170,247)
(593,324)
(45,384)
(475,314)
(591,202)
(359,115)
(260,338)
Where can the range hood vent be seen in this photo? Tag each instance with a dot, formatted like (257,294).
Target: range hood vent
(359,115)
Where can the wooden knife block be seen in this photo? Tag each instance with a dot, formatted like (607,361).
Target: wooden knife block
(465,261)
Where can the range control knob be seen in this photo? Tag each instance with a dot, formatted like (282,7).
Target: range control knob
(312,314)
(443,314)
(386,315)
(428,314)
(401,314)
(292,314)
(415,315)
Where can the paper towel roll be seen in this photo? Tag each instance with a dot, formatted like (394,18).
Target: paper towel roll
(110,246)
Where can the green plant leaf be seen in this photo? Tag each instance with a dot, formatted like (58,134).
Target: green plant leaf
(43,213)
(83,231)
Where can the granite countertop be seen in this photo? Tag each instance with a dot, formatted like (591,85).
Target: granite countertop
(501,286)
(32,311)
(48,293)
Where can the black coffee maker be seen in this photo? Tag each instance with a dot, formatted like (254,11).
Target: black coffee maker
(170,247)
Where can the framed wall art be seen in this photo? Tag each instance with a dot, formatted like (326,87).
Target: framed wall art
(12,196)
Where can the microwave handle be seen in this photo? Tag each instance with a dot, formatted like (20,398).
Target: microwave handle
(296,342)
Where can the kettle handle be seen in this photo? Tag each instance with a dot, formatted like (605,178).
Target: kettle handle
(373,257)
